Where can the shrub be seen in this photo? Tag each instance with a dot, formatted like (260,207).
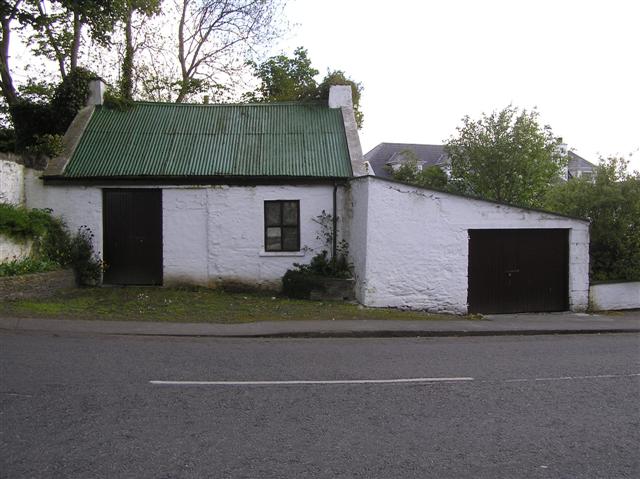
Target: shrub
(86,264)
(21,223)
(299,281)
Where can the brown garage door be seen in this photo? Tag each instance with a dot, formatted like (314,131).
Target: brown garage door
(132,222)
(521,270)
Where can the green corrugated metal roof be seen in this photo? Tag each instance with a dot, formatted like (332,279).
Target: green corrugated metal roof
(177,140)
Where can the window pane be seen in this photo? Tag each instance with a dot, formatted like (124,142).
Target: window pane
(290,213)
(273,239)
(290,238)
(272,209)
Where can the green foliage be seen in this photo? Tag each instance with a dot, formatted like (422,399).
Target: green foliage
(115,101)
(612,202)
(284,79)
(505,156)
(47,145)
(7,139)
(27,266)
(86,264)
(31,121)
(53,244)
(70,97)
(293,79)
(430,177)
(39,125)
(56,31)
(21,223)
(338,77)
(37,91)
(299,281)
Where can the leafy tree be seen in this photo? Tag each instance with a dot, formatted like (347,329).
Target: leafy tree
(612,201)
(51,112)
(57,27)
(285,79)
(293,79)
(505,156)
(430,177)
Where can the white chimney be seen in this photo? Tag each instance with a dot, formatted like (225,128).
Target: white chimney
(340,97)
(96,92)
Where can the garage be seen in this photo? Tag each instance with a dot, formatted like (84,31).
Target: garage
(518,270)
(416,248)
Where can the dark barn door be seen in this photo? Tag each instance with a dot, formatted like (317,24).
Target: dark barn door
(513,271)
(132,236)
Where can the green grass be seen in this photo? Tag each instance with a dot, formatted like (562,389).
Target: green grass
(195,305)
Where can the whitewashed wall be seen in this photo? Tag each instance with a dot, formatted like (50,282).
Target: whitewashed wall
(211,235)
(356,210)
(216,235)
(615,296)
(77,205)
(14,250)
(417,247)
(11,181)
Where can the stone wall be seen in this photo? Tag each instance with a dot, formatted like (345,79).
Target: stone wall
(39,285)
(417,244)
(615,296)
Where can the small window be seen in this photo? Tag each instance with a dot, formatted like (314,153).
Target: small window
(282,225)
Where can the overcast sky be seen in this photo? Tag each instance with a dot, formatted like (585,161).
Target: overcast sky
(426,64)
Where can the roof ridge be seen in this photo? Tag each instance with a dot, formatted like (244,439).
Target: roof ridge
(414,144)
(275,103)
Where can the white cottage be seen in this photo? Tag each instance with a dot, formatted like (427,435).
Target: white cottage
(212,194)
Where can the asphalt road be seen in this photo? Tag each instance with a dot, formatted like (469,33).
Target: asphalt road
(534,407)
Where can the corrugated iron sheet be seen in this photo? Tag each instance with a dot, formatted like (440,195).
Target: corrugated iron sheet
(177,140)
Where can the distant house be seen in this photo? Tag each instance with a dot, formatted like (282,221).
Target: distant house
(386,157)
(219,194)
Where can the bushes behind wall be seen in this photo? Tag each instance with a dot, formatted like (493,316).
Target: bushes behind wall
(54,246)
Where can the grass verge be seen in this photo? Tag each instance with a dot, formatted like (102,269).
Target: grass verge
(195,306)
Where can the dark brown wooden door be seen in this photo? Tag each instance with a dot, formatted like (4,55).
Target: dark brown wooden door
(132,221)
(519,270)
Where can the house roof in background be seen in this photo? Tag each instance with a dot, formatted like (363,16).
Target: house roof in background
(183,140)
(389,153)
(428,155)
(576,162)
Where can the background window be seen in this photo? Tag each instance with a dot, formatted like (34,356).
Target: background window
(282,225)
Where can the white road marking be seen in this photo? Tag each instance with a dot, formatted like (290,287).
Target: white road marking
(380,381)
(311,382)
(570,378)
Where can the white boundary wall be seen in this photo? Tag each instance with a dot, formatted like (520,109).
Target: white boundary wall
(13,250)
(11,181)
(211,234)
(613,296)
(411,244)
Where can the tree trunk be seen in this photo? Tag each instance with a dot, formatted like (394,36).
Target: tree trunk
(8,90)
(184,83)
(126,79)
(77,37)
(52,42)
